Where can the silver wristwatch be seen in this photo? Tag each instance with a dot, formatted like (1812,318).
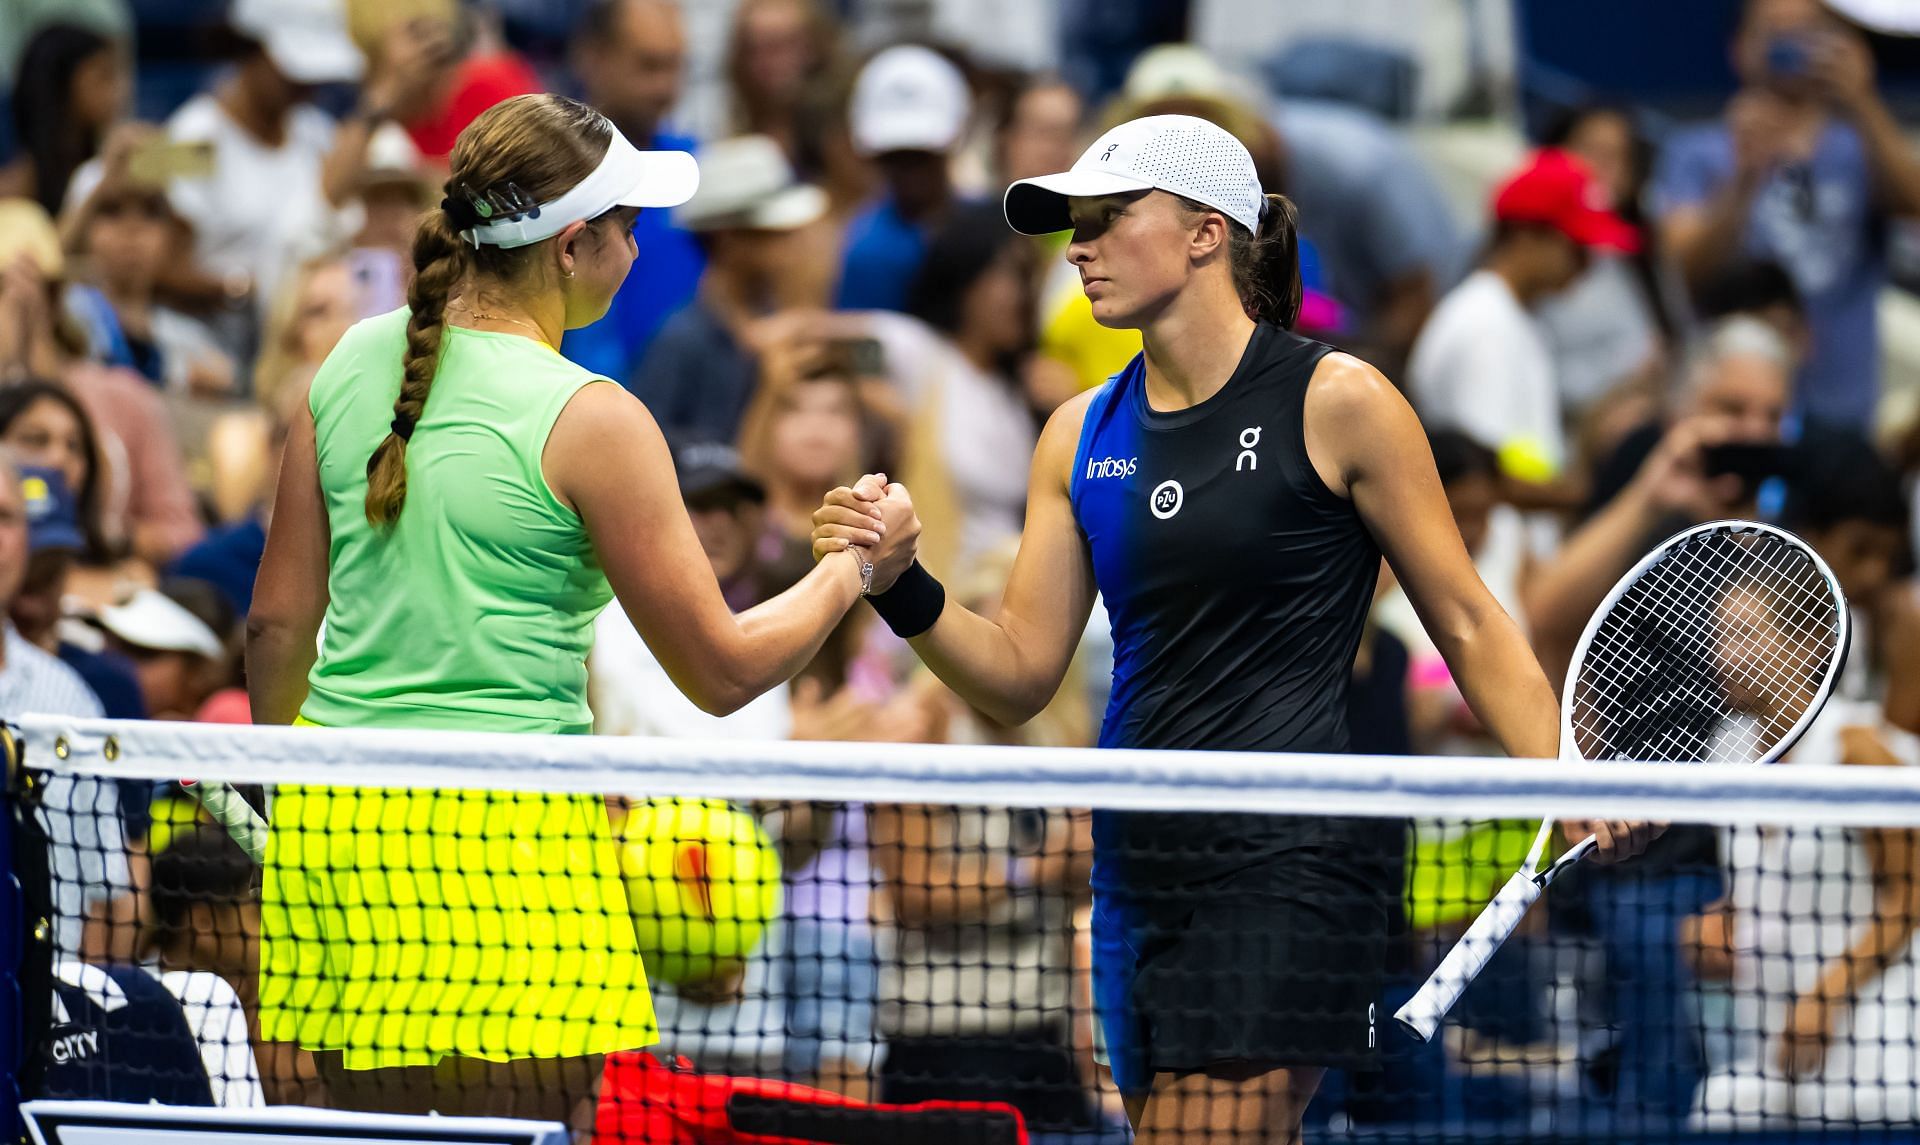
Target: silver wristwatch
(866,569)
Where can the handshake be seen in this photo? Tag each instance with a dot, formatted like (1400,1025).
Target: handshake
(876,516)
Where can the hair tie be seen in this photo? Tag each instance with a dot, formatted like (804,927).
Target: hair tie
(402,427)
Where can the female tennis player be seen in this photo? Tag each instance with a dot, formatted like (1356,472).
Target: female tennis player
(455,502)
(1229,494)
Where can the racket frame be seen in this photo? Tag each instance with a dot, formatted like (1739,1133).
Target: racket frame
(1422,1014)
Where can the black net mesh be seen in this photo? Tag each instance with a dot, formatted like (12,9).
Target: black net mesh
(684,969)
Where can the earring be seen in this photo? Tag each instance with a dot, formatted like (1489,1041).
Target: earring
(566,274)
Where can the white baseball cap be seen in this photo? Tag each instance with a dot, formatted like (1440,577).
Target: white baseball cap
(1181,154)
(306,39)
(152,619)
(746,182)
(908,98)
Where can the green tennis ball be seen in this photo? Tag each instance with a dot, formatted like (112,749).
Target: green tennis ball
(703,882)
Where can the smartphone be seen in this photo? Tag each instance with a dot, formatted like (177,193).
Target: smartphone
(158,162)
(1751,461)
(861,357)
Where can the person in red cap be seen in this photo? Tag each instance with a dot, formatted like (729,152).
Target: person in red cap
(1482,364)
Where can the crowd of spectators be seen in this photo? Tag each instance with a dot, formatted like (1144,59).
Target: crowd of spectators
(1631,335)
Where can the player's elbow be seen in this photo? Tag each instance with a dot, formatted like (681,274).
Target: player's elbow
(721,696)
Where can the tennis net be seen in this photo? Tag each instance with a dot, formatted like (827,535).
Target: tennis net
(676,941)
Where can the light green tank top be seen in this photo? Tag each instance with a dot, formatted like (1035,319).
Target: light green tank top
(474,612)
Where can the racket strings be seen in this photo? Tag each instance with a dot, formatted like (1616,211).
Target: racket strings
(1715,652)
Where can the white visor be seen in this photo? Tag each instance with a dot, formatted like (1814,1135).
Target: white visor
(626,177)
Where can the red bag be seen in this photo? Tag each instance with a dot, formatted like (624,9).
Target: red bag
(643,1102)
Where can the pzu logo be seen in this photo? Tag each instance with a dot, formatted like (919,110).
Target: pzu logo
(1249,440)
(1167,499)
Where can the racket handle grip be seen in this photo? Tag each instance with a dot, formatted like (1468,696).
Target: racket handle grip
(1422,1014)
(242,822)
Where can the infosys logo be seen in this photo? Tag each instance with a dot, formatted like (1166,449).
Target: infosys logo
(1111,467)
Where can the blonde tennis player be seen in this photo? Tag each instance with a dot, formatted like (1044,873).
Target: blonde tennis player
(457,502)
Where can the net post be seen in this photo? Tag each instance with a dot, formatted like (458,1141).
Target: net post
(26,958)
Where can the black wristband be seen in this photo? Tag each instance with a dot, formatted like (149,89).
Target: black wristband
(913,604)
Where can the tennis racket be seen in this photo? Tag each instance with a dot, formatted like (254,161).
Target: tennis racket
(234,813)
(1720,645)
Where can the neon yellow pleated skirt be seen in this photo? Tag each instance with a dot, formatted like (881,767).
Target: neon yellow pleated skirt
(402,926)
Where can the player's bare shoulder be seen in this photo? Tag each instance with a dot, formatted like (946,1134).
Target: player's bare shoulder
(1053,457)
(1351,411)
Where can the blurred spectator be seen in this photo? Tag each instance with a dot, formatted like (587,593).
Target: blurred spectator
(44,426)
(1038,132)
(94,917)
(145,504)
(1816,939)
(278,170)
(123,236)
(55,541)
(206,922)
(1761,289)
(630,56)
(393,191)
(71,87)
(702,370)
(180,658)
(488,71)
(1847,501)
(910,107)
(806,435)
(959,361)
(1482,364)
(1805,169)
(308,317)
(1610,328)
(780,74)
(1666,476)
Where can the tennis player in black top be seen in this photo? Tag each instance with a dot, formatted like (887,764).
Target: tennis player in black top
(1229,495)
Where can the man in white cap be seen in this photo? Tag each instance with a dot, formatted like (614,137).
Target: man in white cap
(910,108)
(279,168)
(701,371)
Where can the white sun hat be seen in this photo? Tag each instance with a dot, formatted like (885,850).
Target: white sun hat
(747,183)
(1181,154)
(307,40)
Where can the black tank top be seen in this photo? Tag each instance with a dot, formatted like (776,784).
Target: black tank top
(1237,583)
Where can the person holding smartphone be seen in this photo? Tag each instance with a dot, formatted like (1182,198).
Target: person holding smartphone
(1805,168)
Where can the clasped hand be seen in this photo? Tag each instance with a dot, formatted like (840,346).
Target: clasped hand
(876,516)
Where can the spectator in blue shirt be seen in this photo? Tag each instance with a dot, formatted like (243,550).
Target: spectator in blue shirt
(630,56)
(1805,169)
(910,107)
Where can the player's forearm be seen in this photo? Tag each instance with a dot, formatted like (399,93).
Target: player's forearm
(278,660)
(1503,684)
(987,666)
(773,641)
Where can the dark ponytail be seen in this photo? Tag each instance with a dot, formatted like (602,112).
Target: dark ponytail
(1266,262)
(440,261)
(1266,265)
